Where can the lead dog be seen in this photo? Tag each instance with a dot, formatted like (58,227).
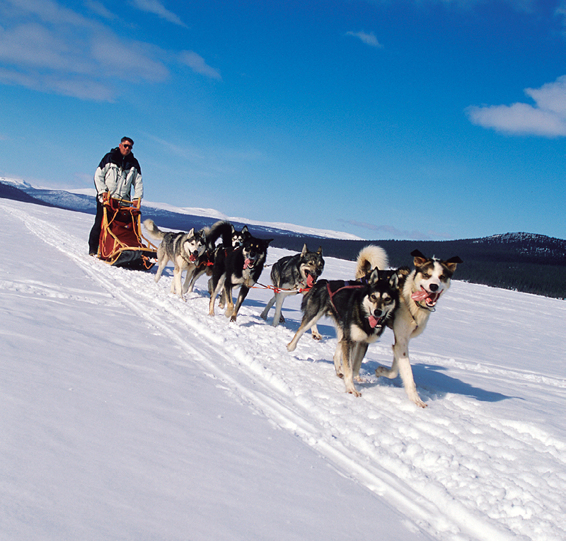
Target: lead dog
(418,294)
(291,275)
(359,310)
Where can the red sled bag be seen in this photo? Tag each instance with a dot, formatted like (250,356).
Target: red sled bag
(121,241)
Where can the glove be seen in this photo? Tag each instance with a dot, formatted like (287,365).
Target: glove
(102,196)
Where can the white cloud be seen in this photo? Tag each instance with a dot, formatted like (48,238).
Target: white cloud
(157,8)
(198,65)
(546,117)
(368,39)
(52,49)
(100,9)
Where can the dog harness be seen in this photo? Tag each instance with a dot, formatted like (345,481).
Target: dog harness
(347,285)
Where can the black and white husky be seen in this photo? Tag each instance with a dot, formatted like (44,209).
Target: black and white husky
(360,310)
(418,294)
(291,275)
(240,267)
(186,250)
(231,238)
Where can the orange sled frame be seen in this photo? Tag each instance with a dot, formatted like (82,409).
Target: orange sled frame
(121,241)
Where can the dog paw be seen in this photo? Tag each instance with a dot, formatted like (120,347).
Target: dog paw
(316,336)
(418,402)
(380,371)
(290,346)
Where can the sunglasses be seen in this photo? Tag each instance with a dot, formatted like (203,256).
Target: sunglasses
(126,145)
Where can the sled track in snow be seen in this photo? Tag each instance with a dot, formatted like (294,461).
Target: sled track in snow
(425,463)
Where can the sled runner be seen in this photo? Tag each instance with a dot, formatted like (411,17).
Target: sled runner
(121,241)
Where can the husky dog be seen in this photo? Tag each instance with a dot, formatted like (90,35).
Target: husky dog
(186,250)
(291,275)
(239,236)
(419,292)
(240,267)
(360,311)
(231,238)
(183,249)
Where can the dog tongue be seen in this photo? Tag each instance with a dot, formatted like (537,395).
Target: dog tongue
(419,295)
(310,280)
(192,258)
(247,263)
(373,321)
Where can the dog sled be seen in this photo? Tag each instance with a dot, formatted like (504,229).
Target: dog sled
(121,241)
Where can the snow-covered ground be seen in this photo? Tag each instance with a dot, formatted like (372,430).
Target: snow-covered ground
(128,414)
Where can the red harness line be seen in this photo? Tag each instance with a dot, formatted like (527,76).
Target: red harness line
(332,293)
(279,289)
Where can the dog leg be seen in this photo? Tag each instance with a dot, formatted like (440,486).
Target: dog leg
(162,263)
(406,373)
(223,297)
(227,300)
(241,297)
(190,273)
(176,284)
(159,272)
(279,298)
(268,307)
(402,366)
(195,276)
(347,358)
(360,350)
(338,353)
(315,334)
(306,324)
(214,293)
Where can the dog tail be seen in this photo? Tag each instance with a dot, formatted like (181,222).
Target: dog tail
(153,230)
(219,229)
(370,257)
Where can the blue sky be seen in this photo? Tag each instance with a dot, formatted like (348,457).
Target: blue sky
(424,119)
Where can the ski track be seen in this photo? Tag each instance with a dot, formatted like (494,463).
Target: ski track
(427,463)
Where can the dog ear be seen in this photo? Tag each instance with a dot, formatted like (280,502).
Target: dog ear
(419,258)
(305,250)
(245,230)
(373,276)
(320,250)
(191,233)
(452,263)
(394,280)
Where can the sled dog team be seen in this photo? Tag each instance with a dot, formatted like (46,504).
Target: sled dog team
(401,299)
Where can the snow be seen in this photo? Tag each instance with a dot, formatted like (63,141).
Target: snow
(129,414)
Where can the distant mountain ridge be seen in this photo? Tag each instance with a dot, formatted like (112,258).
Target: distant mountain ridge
(521,261)
(173,219)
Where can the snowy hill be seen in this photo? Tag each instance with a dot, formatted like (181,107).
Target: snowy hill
(129,414)
(167,215)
